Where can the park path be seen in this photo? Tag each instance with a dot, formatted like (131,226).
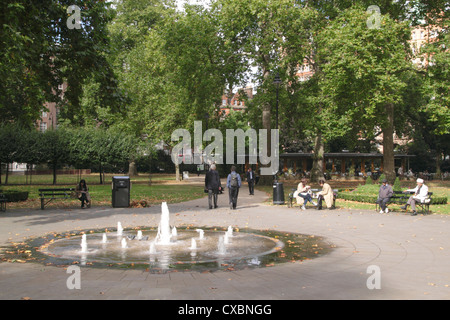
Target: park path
(411,254)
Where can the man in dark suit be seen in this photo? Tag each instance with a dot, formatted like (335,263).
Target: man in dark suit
(212,184)
(251,181)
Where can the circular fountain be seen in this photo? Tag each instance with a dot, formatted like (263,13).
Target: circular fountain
(168,247)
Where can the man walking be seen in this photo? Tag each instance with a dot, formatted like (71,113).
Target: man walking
(251,181)
(212,184)
(233,185)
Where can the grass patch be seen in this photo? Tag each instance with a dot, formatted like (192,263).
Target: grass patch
(73,179)
(102,194)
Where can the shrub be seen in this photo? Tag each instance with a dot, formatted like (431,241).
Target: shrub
(358,197)
(397,186)
(15,196)
(438,200)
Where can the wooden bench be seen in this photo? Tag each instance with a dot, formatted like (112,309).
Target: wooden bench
(55,193)
(401,198)
(3,201)
(291,196)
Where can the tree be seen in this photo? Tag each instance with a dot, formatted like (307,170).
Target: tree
(140,67)
(29,151)
(39,52)
(90,146)
(54,151)
(11,143)
(270,37)
(365,75)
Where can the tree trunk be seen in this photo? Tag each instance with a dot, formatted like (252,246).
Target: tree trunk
(101,173)
(132,168)
(388,145)
(317,169)
(7,173)
(177,172)
(54,174)
(266,180)
(438,164)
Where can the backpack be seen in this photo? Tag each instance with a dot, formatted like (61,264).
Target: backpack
(234,180)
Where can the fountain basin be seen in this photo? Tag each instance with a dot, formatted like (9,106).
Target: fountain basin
(245,249)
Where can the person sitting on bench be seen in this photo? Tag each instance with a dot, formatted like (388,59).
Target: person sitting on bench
(384,195)
(303,191)
(420,194)
(326,194)
(83,194)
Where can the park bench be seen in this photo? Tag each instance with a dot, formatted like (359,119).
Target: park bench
(3,201)
(55,193)
(291,196)
(400,197)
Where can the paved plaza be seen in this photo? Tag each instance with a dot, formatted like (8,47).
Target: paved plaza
(411,254)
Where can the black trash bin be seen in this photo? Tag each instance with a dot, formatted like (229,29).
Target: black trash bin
(121,192)
(278,193)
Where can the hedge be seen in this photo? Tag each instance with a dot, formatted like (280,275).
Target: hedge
(15,196)
(372,198)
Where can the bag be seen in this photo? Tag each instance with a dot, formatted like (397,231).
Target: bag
(234,180)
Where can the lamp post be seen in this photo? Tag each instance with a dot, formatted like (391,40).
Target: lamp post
(277,82)
(205,164)
(278,191)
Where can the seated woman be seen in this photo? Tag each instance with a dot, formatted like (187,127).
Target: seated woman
(303,195)
(83,193)
(326,194)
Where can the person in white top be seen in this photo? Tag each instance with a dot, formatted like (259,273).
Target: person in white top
(420,194)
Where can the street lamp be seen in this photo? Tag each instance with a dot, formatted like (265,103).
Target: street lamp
(205,164)
(278,190)
(277,82)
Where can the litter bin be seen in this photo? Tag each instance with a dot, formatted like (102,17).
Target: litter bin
(278,193)
(121,192)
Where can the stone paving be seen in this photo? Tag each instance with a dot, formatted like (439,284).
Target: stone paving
(411,255)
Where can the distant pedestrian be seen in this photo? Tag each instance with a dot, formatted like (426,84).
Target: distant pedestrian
(233,185)
(251,181)
(213,185)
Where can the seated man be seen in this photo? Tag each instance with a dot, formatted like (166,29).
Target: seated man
(384,195)
(326,194)
(420,194)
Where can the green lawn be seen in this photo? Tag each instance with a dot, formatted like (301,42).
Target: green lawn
(65,179)
(141,193)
